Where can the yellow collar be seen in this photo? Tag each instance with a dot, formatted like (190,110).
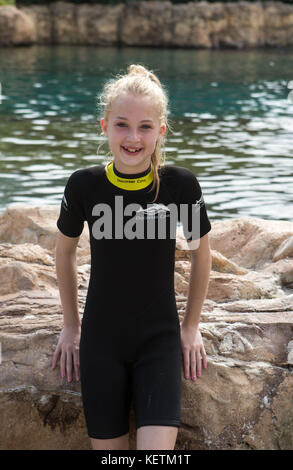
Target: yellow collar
(130,184)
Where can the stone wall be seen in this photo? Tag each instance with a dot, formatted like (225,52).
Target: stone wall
(153,23)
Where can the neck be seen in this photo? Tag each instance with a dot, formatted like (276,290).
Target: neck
(129,181)
(129,171)
(136,174)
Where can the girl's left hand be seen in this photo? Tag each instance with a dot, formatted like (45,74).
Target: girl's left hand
(193,350)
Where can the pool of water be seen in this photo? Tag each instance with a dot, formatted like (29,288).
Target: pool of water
(232,122)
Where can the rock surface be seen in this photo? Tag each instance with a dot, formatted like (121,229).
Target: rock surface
(243,400)
(150,23)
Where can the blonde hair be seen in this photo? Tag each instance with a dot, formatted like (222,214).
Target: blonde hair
(140,81)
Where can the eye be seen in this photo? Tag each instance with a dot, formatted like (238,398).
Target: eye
(146,126)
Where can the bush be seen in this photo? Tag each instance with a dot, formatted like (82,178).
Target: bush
(6,2)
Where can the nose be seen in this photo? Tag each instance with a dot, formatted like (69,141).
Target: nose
(133,136)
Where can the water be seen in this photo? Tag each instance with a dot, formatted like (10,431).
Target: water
(232,122)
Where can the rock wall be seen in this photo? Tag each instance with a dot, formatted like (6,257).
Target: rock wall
(153,23)
(243,400)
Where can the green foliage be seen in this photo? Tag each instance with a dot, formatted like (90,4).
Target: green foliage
(6,2)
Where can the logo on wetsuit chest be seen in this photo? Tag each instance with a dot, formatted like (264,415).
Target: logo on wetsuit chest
(154,221)
(154,211)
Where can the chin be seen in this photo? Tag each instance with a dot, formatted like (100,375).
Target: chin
(132,161)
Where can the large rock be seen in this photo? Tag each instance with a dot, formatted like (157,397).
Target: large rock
(243,400)
(202,24)
(16,27)
(42,20)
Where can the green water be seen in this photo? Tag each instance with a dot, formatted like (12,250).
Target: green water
(233,124)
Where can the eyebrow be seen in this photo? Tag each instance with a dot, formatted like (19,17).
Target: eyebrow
(143,120)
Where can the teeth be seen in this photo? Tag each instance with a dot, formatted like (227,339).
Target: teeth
(131,150)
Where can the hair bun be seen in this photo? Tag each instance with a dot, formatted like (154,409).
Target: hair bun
(136,69)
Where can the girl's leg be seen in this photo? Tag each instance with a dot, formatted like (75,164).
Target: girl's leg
(156,437)
(117,443)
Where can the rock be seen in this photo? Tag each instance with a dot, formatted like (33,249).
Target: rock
(151,23)
(278,24)
(16,28)
(284,269)
(284,250)
(274,427)
(36,225)
(290,353)
(243,400)
(99,24)
(55,414)
(42,19)
(249,241)
(222,264)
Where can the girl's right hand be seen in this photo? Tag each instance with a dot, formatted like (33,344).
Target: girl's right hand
(68,347)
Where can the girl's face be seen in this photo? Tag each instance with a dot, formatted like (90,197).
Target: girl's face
(133,124)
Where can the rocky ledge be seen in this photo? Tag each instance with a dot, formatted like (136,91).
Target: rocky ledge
(243,399)
(150,23)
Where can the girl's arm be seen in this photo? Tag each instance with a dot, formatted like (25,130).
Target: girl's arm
(198,282)
(191,340)
(66,270)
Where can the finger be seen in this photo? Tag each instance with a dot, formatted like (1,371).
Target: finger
(198,363)
(186,363)
(69,365)
(193,364)
(76,364)
(63,363)
(55,356)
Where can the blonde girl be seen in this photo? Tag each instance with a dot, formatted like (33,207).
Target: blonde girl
(130,347)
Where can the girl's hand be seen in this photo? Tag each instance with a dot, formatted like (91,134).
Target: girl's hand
(68,346)
(193,350)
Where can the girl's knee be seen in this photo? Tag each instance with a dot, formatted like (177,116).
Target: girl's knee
(117,443)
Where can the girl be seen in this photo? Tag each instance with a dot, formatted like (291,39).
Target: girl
(130,342)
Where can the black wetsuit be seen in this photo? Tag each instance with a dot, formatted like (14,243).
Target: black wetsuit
(130,347)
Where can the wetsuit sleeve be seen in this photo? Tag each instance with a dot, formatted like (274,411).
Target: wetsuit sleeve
(192,211)
(71,217)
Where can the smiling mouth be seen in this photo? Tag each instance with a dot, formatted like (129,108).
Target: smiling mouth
(129,152)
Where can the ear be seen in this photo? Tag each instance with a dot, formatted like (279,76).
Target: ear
(103,125)
(162,129)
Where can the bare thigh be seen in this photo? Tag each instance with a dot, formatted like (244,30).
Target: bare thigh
(117,443)
(156,437)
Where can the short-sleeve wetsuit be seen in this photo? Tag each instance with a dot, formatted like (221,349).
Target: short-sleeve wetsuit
(130,346)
